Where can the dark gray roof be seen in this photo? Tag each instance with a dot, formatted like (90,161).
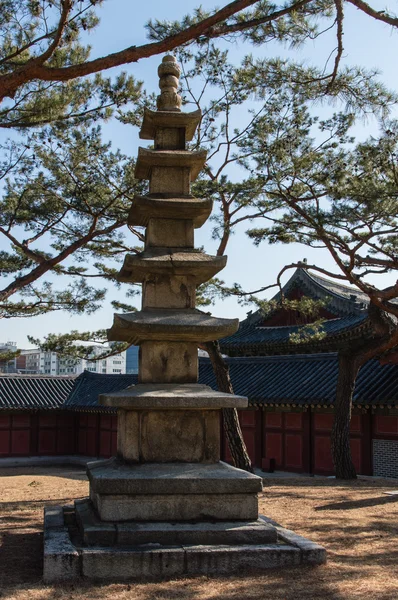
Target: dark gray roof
(90,385)
(252,337)
(25,392)
(348,304)
(304,380)
(341,299)
(293,379)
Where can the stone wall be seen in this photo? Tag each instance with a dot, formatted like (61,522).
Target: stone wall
(385,458)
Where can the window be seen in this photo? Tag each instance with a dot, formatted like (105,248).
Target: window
(117,370)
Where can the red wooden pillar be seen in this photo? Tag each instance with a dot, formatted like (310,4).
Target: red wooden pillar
(5,435)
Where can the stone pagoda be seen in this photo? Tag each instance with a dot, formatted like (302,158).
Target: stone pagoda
(166,505)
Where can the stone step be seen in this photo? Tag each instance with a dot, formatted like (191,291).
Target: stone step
(167,262)
(170,325)
(172,491)
(132,533)
(144,208)
(114,477)
(64,561)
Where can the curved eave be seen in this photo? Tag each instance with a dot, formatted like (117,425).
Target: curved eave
(333,342)
(154,120)
(147,159)
(144,208)
(171,325)
(164,262)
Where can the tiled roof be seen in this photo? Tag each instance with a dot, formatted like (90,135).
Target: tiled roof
(22,392)
(292,379)
(304,379)
(342,299)
(332,286)
(90,385)
(347,303)
(272,340)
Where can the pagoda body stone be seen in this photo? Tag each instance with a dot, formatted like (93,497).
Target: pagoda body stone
(166,505)
(168,419)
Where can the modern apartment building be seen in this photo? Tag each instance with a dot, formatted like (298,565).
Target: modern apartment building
(35,361)
(8,366)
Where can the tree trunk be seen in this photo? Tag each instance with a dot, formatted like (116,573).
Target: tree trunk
(232,427)
(340,437)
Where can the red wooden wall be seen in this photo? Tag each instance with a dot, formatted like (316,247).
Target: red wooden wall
(51,433)
(385,427)
(300,441)
(96,435)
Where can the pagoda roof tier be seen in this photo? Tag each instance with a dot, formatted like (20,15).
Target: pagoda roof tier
(172,396)
(173,325)
(169,119)
(147,159)
(169,261)
(150,207)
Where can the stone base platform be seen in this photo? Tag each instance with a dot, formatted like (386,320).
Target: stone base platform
(95,532)
(67,557)
(172,491)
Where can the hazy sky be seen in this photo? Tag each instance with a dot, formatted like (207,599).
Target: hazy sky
(366,42)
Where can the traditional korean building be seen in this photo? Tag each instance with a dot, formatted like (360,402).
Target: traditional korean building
(291,390)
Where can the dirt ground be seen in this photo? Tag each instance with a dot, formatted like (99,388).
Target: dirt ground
(356,522)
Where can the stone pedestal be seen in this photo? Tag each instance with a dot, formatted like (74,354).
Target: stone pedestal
(166,505)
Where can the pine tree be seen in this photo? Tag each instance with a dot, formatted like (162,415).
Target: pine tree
(42,59)
(296,187)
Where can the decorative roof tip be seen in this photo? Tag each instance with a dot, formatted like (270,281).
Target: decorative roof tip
(169,73)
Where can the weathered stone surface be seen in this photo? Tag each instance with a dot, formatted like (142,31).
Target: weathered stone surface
(168,362)
(132,533)
(166,119)
(93,531)
(175,181)
(118,564)
(169,72)
(161,233)
(170,138)
(113,477)
(128,435)
(144,208)
(311,553)
(169,396)
(176,507)
(170,324)
(61,559)
(215,533)
(149,159)
(212,560)
(169,436)
(169,292)
(171,262)
(179,436)
(53,517)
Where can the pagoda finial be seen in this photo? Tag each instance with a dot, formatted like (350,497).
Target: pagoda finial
(169,73)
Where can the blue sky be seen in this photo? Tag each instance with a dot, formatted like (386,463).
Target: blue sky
(368,43)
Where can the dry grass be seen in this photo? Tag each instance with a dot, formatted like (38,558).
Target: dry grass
(356,522)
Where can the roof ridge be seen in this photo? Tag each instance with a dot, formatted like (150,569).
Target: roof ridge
(361,316)
(276,358)
(336,282)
